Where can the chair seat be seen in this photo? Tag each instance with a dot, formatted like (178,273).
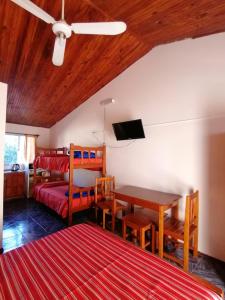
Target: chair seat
(108,205)
(153,215)
(175,228)
(137,220)
(105,204)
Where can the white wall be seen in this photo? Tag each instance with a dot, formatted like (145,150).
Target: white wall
(179,92)
(43,139)
(3,101)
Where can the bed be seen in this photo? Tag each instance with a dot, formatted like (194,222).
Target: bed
(85,262)
(59,161)
(55,196)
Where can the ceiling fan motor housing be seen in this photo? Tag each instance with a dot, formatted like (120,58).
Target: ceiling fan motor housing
(61,27)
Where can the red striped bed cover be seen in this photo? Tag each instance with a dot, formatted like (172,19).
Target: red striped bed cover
(85,262)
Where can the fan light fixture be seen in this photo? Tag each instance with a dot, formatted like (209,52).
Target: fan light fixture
(107,101)
(63,31)
(104,103)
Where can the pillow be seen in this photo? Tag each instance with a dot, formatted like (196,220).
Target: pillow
(85,154)
(92,154)
(77,154)
(77,195)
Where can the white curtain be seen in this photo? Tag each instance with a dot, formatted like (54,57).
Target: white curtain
(29,155)
(29,149)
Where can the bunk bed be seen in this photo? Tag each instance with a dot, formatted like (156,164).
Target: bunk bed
(61,196)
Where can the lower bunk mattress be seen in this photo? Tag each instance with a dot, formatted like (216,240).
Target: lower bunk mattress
(85,262)
(55,196)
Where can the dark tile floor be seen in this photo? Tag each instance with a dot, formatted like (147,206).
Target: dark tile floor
(211,269)
(27,220)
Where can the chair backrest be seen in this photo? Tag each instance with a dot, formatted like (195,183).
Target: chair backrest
(191,210)
(103,188)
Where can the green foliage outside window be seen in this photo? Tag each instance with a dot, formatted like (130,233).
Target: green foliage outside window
(10,155)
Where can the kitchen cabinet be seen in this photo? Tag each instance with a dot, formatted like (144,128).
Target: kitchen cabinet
(14,185)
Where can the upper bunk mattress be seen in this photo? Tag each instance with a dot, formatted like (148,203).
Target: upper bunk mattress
(61,162)
(85,262)
(57,163)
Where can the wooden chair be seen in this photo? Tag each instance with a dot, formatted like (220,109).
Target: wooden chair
(104,197)
(186,232)
(140,224)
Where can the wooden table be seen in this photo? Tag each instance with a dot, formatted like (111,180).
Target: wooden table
(155,200)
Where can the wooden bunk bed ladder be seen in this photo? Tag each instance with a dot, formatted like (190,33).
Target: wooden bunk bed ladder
(83,164)
(70,212)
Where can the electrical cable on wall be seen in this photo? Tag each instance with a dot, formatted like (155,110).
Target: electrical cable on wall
(111,101)
(113,147)
(124,146)
(104,103)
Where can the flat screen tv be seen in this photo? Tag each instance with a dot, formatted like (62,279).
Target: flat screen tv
(129,130)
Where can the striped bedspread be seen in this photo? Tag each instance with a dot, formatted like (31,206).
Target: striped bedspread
(85,262)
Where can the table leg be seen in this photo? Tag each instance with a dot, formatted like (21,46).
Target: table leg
(175,211)
(175,215)
(161,229)
(113,213)
(130,207)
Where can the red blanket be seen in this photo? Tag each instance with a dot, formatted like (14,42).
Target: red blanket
(85,262)
(57,163)
(61,162)
(52,194)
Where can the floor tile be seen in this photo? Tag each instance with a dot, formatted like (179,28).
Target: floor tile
(10,232)
(16,241)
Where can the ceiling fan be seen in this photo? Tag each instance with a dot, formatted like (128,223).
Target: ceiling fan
(63,31)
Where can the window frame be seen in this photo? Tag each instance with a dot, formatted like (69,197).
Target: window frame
(8,166)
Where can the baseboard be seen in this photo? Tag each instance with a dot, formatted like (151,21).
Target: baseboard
(207,284)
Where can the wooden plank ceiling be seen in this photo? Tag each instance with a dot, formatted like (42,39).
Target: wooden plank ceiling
(41,94)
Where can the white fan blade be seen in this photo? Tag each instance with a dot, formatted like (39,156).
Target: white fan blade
(59,50)
(105,28)
(35,10)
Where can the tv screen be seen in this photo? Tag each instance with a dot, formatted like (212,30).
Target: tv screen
(129,130)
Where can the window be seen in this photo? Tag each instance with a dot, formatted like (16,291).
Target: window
(19,149)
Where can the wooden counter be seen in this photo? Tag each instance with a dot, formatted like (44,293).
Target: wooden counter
(14,184)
